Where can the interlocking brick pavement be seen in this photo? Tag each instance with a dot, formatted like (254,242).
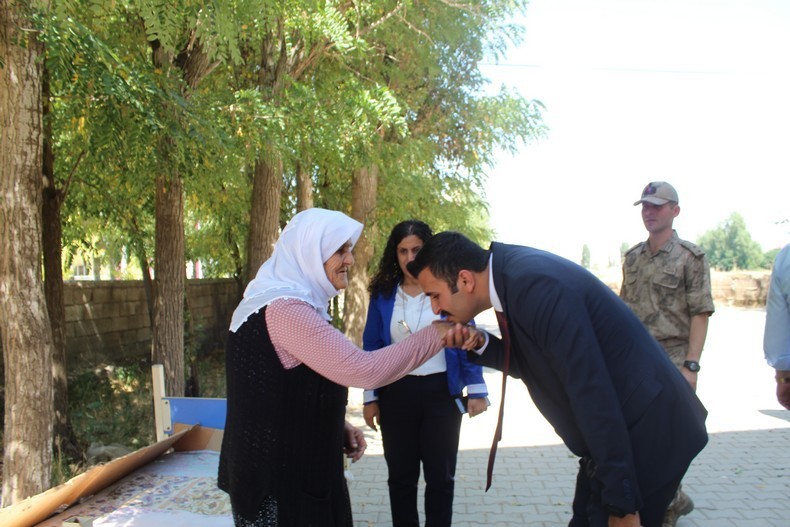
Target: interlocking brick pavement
(741,479)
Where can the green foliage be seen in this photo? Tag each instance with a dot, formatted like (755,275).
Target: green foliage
(102,113)
(585,262)
(179,24)
(769,257)
(113,405)
(427,56)
(64,468)
(730,247)
(394,86)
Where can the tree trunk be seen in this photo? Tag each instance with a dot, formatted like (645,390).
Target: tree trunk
(238,275)
(267,184)
(267,178)
(363,205)
(65,440)
(26,332)
(170,263)
(304,187)
(96,268)
(192,386)
(169,282)
(51,241)
(145,267)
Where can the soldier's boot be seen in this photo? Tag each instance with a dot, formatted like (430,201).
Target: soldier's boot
(670,518)
(680,506)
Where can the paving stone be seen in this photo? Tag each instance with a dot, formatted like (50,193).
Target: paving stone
(741,479)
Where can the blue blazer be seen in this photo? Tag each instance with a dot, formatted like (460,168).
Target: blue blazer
(460,371)
(596,374)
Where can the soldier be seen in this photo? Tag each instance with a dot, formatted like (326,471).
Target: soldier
(666,282)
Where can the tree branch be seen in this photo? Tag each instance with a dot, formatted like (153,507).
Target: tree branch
(381,20)
(464,7)
(66,185)
(416,29)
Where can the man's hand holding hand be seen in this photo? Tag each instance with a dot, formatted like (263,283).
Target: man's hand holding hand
(458,335)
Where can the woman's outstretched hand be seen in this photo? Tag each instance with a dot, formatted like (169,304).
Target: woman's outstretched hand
(456,335)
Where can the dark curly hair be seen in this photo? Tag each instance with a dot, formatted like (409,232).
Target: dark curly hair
(389,273)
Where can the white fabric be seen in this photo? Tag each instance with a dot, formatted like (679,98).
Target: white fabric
(417,312)
(495,302)
(296,266)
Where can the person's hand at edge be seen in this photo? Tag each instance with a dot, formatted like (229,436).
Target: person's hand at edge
(629,520)
(355,443)
(691,378)
(477,406)
(783,388)
(372,414)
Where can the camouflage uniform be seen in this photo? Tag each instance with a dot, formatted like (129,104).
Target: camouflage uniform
(666,290)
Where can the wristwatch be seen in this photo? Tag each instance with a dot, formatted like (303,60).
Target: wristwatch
(691,365)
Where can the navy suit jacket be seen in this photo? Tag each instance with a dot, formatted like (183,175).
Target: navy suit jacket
(596,374)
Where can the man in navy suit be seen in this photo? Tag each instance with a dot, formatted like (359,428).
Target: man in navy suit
(591,367)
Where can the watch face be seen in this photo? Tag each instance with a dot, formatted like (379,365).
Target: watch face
(692,365)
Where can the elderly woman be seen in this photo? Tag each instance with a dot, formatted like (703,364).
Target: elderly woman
(287,371)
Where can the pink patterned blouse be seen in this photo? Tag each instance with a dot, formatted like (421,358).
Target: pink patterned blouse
(300,335)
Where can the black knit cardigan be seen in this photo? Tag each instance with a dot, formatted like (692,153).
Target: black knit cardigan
(283,435)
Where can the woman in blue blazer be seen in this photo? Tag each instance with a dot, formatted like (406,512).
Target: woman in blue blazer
(420,414)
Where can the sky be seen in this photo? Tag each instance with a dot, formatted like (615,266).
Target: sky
(693,92)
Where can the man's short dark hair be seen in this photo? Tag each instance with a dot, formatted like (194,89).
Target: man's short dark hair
(446,254)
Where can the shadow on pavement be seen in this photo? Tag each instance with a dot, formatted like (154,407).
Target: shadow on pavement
(779,414)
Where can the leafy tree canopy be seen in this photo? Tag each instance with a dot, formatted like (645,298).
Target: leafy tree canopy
(394,85)
(730,247)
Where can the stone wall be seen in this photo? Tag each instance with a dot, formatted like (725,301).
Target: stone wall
(733,289)
(740,288)
(108,321)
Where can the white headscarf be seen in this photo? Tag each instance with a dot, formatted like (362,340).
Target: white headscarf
(296,266)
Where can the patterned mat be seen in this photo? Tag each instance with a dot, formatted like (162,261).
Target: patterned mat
(177,489)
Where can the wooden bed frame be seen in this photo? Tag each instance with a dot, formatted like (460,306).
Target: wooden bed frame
(169,411)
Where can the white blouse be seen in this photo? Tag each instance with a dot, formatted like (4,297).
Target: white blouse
(409,315)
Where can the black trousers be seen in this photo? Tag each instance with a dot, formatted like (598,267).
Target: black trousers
(588,511)
(420,423)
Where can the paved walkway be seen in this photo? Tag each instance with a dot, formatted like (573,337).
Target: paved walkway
(741,479)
